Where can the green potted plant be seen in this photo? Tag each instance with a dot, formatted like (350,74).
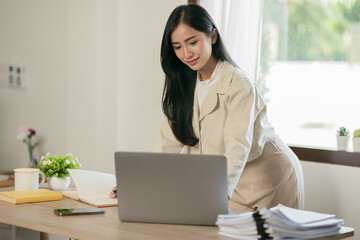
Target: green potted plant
(342,138)
(356,140)
(55,169)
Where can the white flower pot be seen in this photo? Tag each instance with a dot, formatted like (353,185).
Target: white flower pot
(57,183)
(342,143)
(356,144)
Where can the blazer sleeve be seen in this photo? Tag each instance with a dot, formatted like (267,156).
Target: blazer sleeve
(238,129)
(168,142)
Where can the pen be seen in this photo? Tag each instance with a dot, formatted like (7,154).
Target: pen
(113,192)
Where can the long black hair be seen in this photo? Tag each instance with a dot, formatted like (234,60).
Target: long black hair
(180,80)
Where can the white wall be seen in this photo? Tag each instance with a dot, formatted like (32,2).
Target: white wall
(92,82)
(333,189)
(95,80)
(34,33)
(140,34)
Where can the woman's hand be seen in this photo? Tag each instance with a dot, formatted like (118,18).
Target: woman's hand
(113,192)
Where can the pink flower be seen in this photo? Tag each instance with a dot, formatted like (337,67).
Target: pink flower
(25,135)
(23,129)
(31,132)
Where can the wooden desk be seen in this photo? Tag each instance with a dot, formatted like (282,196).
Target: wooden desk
(40,217)
(9,182)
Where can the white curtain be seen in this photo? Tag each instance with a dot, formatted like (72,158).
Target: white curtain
(239,23)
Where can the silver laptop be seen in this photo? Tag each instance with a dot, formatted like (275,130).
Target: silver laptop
(171,188)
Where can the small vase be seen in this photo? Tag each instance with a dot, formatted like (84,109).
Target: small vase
(356,144)
(33,160)
(342,143)
(57,183)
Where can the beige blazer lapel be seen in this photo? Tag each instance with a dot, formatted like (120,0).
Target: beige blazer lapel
(195,121)
(220,88)
(210,102)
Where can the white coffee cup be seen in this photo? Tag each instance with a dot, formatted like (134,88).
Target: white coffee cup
(27,178)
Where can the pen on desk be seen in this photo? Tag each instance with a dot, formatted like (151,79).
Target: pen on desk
(112,192)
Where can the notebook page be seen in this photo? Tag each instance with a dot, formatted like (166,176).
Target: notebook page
(94,186)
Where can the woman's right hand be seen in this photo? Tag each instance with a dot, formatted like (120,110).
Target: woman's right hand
(113,192)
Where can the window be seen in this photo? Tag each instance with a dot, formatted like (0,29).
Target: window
(309,70)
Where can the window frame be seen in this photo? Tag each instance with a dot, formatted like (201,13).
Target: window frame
(324,155)
(193,1)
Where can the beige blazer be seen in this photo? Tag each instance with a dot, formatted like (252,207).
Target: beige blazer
(232,122)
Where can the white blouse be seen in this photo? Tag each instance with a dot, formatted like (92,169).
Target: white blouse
(203,87)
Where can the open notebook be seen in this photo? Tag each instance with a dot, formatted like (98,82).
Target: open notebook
(92,187)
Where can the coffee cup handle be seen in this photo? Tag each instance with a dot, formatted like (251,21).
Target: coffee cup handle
(42,178)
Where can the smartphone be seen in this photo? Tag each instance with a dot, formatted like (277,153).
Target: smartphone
(78,211)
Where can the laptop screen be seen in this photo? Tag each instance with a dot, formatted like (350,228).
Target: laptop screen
(171,188)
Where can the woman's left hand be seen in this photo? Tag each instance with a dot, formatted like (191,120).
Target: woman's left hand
(113,192)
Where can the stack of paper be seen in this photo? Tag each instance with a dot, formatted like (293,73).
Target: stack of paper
(279,222)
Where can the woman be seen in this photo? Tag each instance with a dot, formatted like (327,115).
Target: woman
(213,108)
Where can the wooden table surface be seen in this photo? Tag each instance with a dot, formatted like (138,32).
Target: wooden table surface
(8,182)
(40,217)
